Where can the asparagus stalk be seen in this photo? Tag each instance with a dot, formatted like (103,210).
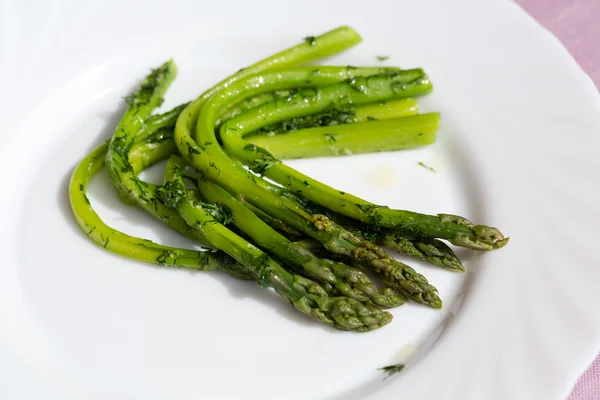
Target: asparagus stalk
(326,44)
(432,250)
(359,138)
(157,147)
(348,281)
(306,295)
(274,223)
(122,173)
(141,104)
(335,115)
(395,108)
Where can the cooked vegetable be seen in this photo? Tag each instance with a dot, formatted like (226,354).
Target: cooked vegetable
(333,115)
(346,280)
(457,230)
(431,250)
(356,249)
(359,138)
(304,294)
(298,236)
(392,369)
(126,245)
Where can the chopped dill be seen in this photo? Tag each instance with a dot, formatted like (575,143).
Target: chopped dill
(422,164)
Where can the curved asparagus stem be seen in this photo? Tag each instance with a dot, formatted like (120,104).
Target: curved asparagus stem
(405,83)
(130,246)
(123,142)
(307,296)
(326,44)
(347,281)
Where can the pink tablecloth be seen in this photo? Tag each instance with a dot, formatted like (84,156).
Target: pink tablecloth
(576,23)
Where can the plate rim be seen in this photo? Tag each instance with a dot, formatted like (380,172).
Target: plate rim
(584,83)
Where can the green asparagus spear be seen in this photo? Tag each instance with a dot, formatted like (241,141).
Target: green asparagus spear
(141,104)
(396,108)
(359,138)
(273,222)
(431,250)
(123,142)
(334,115)
(157,147)
(306,295)
(327,44)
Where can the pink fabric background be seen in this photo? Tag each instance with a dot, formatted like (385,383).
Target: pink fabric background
(576,23)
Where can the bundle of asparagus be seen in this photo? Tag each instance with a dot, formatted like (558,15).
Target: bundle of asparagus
(306,240)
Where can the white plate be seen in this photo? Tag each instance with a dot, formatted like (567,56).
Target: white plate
(517,149)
